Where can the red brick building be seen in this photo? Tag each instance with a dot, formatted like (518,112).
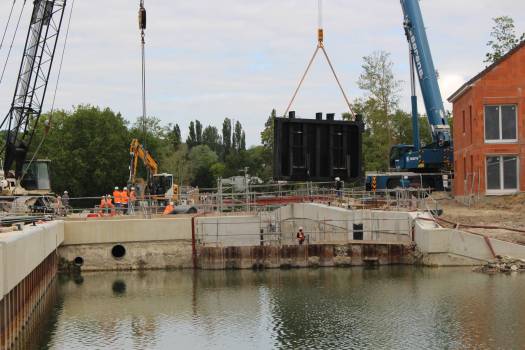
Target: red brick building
(489,129)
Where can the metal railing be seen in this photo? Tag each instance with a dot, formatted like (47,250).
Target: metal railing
(259,199)
(273,231)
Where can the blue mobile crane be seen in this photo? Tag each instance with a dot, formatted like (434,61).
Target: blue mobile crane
(413,165)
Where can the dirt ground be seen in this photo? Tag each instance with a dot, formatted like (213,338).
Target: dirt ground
(501,211)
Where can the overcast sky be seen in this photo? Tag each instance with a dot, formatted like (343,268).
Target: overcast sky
(241,58)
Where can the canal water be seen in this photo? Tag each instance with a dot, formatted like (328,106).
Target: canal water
(385,308)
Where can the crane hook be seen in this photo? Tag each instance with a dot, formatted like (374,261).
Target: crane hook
(142,16)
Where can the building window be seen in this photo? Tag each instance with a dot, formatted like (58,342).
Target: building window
(501,123)
(502,174)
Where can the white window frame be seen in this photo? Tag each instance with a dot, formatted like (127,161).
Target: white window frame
(502,191)
(500,140)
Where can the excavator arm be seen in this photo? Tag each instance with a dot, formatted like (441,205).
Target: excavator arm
(136,151)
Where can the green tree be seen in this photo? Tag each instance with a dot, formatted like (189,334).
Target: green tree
(382,89)
(237,136)
(89,150)
(376,147)
(198,132)
(201,159)
(173,135)
(226,136)
(178,164)
(242,145)
(191,141)
(212,139)
(267,140)
(503,38)
(218,170)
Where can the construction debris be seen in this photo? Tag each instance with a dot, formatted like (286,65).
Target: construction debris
(503,265)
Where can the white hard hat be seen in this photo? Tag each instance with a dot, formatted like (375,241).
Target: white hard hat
(133,188)
(116,187)
(65,191)
(337,179)
(301,228)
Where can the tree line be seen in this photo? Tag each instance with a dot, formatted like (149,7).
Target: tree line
(89,150)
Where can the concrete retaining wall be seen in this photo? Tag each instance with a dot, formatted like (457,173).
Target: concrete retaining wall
(111,231)
(22,251)
(229,230)
(333,224)
(138,255)
(28,266)
(158,243)
(449,247)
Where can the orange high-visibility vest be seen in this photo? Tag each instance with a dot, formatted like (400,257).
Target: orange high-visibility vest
(116,196)
(169,208)
(124,197)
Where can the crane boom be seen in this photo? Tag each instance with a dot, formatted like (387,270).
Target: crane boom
(415,166)
(136,151)
(33,78)
(426,72)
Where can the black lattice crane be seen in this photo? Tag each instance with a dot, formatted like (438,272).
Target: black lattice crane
(32,82)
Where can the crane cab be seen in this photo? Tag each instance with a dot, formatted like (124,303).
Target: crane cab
(163,187)
(36,178)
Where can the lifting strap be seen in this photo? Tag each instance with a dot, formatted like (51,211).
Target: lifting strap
(320,47)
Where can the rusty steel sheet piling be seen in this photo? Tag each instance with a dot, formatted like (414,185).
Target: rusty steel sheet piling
(20,306)
(302,256)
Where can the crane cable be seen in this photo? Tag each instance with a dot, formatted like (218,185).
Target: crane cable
(14,36)
(47,126)
(7,24)
(142,27)
(320,46)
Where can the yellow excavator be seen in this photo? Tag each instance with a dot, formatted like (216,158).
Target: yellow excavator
(159,186)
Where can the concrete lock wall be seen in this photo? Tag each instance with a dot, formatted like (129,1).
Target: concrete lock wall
(22,251)
(113,231)
(230,230)
(333,224)
(128,244)
(449,247)
(321,223)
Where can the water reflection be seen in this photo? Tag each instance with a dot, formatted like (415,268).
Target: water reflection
(386,308)
(119,287)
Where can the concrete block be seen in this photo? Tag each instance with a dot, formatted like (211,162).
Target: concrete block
(2,271)
(513,250)
(127,230)
(469,245)
(23,251)
(230,230)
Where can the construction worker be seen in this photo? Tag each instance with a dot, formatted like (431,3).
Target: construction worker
(109,205)
(117,199)
(124,199)
(300,236)
(102,206)
(58,206)
(132,199)
(339,187)
(169,209)
(65,201)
